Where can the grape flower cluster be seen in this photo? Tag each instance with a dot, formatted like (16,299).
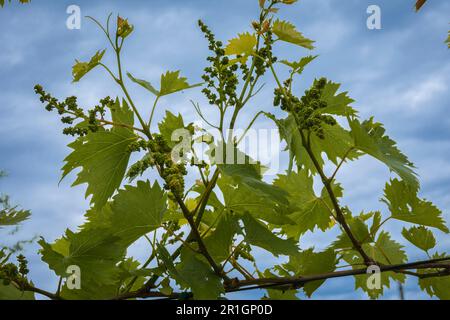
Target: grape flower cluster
(308,110)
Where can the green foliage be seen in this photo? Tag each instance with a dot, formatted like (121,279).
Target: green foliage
(13,277)
(308,210)
(2,2)
(170,124)
(12,217)
(80,69)
(370,138)
(103,154)
(448,40)
(405,205)
(258,235)
(299,66)
(286,31)
(243,45)
(203,225)
(171,82)
(435,286)
(421,237)
(11,293)
(385,251)
(308,262)
(197,275)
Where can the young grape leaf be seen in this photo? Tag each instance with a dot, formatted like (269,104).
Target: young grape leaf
(308,262)
(359,230)
(199,276)
(309,210)
(170,124)
(96,252)
(145,84)
(421,237)
(259,235)
(220,240)
(10,292)
(103,157)
(376,223)
(336,144)
(286,31)
(249,174)
(370,138)
(299,66)
(12,217)
(404,205)
(137,211)
(80,69)
(171,82)
(241,199)
(435,286)
(337,103)
(385,251)
(243,45)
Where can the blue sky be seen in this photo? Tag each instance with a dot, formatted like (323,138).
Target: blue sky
(399,74)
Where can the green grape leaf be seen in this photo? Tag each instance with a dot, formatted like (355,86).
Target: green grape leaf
(435,286)
(421,237)
(171,82)
(11,293)
(246,172)
(370,138)
(249,175)
(286,31)
(404,204)
(168,264)
(299,66)
(95,251)
(80,69)
(101,243)
(145,84)
(220,240)
(308,262)
(336,144)
(385,251)
(359,230)
(137,211)
(129,269)
(309,210)
(257,234)
(376,223)
(103,157)
(244,45)
(199,276)
(241,199)
(12,217)
(170,124)
(337,103)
